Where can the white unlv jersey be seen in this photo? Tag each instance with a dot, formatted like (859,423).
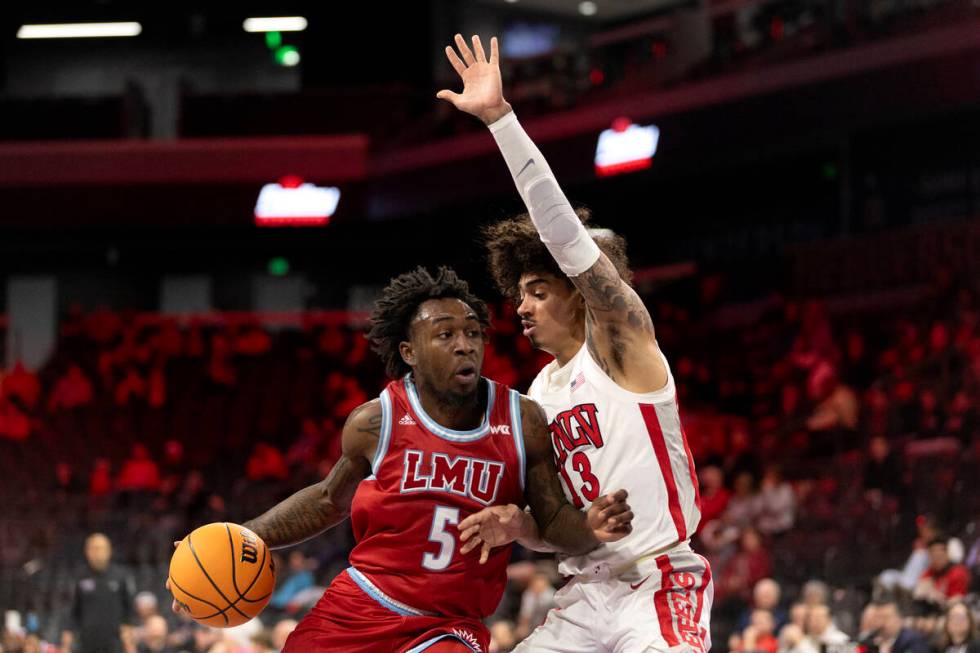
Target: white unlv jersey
(606,438)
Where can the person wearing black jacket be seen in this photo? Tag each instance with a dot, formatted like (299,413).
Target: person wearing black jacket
(101,609)
(893,637)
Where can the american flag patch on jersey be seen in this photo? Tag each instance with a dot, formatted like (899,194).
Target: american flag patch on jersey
(578,381)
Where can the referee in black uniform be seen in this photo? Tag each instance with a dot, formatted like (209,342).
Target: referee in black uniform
(102,606)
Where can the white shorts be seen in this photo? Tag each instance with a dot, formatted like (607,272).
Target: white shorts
(667,608)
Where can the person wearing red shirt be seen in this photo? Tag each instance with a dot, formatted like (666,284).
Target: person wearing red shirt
(943,580)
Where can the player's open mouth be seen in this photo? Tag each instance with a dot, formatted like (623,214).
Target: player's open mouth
(466,373)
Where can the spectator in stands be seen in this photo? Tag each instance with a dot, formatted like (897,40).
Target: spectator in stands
(797,614)
(719,536)
(22,386)
(746,568)
(883,472)
(71,391)
(131,387)
(502,637)
(893,637)
(100,480)
(144,607)
(205,639)
(962,419)
(765,596)
(837,408)
(299,576)
(776,503)
(139,472)
(281,631)
(220,367)
(820,627)
(15,424)
(156,395)
(66,480)
(101,610)
(793,639)
(943,580)
(759,635)
(869,625)
(153,637)
(960,630)
(815,592)
(714,494)
(918,561)
(879,419)
(929,422)
(266,463)
(536,601)
(251,340)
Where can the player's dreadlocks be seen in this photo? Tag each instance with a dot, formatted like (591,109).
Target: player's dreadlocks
(514,248)
(394,310)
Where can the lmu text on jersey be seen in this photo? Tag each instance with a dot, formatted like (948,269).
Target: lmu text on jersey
(469,477)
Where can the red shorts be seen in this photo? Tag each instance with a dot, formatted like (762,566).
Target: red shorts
(347,619)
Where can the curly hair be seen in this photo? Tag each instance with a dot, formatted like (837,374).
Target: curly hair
(400,300)
(514,249)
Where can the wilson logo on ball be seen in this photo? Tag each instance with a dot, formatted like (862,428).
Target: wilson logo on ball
(250,548)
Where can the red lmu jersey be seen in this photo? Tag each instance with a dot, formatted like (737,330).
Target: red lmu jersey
(426,479)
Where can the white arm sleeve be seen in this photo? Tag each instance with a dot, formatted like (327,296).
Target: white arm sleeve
(560,229)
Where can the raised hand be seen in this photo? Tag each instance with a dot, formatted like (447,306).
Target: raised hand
(610,517)
(483,94)
(491,527)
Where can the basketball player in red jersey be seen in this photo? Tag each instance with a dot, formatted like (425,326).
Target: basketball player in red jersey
(439,444)
(610,398)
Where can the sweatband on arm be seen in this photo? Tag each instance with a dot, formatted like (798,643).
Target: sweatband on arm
(559,228)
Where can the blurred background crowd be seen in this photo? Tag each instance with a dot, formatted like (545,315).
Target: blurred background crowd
(836,452)
(806,236)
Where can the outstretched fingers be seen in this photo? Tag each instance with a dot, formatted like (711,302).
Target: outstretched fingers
(478,49)
(455,61)
(494,50)
(464,50)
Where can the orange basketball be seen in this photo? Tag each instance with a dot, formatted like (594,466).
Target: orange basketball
(222,574)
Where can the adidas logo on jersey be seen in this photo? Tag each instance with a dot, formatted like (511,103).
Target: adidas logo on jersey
(407,420)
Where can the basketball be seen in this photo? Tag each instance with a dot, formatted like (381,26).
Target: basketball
(222,574)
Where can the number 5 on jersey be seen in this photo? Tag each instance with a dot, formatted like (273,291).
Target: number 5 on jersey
(438,533)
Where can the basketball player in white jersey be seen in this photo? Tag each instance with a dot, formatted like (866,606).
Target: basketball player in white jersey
(610,400)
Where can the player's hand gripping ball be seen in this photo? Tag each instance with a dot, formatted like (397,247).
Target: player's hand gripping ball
(221,575)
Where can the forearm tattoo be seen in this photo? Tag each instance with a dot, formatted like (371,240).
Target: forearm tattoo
(310,511)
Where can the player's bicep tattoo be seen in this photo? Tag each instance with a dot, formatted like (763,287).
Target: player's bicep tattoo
(609,297)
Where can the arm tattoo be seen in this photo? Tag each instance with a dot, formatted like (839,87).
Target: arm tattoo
(560,525)
(316,508)
(310,511)
(373,426)
(616,307)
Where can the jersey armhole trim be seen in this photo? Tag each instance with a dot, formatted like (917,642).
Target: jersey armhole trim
(384,437)
(517,430)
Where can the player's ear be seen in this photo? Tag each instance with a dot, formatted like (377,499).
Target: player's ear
(407,352)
